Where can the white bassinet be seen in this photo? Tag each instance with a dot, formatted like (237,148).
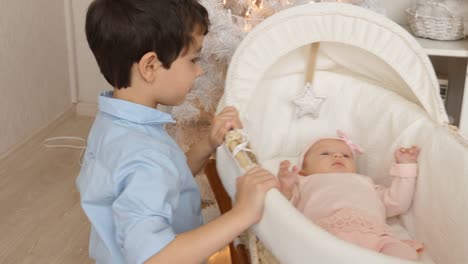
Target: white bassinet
(381,89)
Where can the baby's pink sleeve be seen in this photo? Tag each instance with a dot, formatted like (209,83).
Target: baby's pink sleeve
(398,197)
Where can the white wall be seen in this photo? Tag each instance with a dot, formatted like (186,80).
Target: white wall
(90,80)
(395,9)
(34,78)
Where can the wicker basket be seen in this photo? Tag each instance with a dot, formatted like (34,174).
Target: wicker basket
(439,28)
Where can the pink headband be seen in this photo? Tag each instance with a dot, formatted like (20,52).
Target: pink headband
(355,148)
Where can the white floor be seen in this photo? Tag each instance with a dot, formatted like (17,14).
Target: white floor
(41,219)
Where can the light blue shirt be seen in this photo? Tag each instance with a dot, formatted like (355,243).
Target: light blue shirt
(136,187)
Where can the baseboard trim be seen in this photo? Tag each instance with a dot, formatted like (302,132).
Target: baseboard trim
(38,133)
(86,109)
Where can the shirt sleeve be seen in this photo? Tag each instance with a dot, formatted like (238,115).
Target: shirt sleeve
(143,210)
(398,197)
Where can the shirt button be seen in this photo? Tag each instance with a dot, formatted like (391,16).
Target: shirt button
(91,155)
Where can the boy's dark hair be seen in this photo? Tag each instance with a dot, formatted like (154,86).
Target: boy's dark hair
(120,32)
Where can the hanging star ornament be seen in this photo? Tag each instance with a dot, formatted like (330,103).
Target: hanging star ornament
(308,103)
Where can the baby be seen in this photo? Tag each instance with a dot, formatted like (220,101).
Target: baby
(328,191)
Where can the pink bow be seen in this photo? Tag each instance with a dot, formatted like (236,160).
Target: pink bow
(355,148)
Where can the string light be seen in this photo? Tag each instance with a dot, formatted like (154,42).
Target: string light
(249,17)
(248,11)
(247,26)
(254,4)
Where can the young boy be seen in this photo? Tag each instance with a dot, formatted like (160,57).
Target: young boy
(136,184)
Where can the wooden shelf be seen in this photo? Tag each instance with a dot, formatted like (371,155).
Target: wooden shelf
(455,48)
(444,48)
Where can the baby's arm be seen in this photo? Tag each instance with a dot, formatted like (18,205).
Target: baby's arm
(397,199)
(288,181)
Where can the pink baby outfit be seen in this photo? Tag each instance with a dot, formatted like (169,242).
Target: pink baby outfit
(351,207)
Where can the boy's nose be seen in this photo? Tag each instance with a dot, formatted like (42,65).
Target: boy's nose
(338,155)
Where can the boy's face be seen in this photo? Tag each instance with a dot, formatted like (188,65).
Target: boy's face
(329,156)
(176,82)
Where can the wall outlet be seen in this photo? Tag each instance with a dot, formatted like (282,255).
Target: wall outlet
(444,85)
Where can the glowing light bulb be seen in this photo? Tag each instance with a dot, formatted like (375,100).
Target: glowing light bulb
(248,12)
(247,26)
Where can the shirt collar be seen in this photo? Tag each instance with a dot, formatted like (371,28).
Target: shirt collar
(132,112)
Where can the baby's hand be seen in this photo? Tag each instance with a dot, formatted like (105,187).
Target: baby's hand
(287,178)
(226,120)
(407,155)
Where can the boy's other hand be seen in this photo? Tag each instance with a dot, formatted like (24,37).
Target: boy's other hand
(251,190)
(226,120)
(407,155)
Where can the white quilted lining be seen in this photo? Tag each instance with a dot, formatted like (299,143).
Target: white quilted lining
(380,121)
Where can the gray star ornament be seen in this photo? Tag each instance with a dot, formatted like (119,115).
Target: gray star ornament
(308,102)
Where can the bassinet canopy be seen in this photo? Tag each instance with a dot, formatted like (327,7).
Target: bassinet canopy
(393,57)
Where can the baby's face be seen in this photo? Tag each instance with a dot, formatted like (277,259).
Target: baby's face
(329,156)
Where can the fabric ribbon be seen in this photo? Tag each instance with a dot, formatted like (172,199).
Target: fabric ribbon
(243,145)
(355,148)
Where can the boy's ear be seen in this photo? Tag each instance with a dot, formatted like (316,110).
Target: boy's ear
(148,66)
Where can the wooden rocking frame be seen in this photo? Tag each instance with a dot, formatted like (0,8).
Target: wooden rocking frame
(238,253)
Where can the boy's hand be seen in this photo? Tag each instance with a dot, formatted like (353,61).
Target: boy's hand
(251,190)
(226,120)
(407,155)
(287,178)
